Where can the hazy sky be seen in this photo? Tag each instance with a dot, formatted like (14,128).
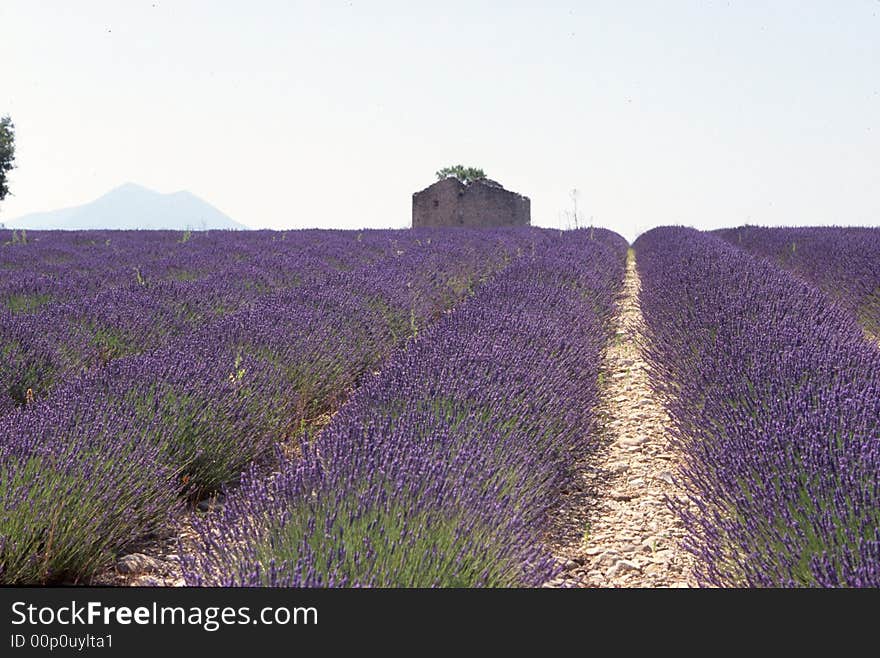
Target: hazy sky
(331,114)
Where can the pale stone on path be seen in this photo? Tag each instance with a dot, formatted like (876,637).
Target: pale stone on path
(625,535)
(137,563)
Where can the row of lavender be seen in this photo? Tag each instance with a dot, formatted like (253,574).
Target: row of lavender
(105,459)
(57,266)
(71,302)
(441,469)
(842,262)
(775,397)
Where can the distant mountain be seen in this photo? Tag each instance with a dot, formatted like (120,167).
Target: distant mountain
(131,206)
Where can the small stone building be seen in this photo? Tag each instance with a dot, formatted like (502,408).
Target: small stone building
(482,203)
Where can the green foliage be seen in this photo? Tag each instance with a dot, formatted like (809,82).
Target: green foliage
(7,153)
(22,303)
(393,318)
(466,175)
(178,274)
(430,556)
(112,343)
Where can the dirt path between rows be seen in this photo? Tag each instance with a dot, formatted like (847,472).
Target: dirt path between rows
(614,528)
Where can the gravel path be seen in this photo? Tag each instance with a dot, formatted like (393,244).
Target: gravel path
(614,528)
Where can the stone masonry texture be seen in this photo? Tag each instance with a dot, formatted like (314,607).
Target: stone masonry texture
(480,204)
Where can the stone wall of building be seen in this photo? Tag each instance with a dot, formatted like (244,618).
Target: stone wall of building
(485,203)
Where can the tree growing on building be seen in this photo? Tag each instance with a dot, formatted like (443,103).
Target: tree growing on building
(466,175)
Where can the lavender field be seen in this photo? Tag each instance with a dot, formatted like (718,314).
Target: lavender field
(408,408)
(774,392)
(844,263)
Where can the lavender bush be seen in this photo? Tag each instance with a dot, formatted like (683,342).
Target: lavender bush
(440,469)
(842,262)
(775,397)
(76,485)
